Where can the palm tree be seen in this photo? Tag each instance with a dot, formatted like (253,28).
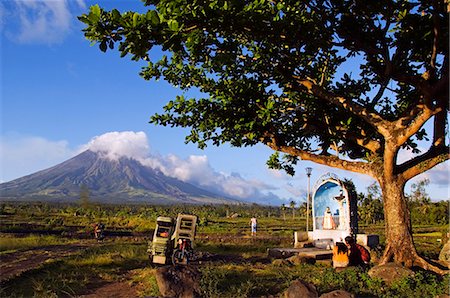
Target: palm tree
(292,205)
(283,209)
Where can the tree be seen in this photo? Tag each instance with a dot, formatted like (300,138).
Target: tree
(292,205)
(370,207)
(341,83)
(418,193)
(422,210)
(283,211)
(84,197)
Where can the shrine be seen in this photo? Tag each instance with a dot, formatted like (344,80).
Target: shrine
(334,209)
(334,217)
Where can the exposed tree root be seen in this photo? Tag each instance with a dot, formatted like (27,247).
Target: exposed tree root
(430,266)
(387,256)
(415,260)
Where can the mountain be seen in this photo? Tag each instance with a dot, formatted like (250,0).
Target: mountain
(109,181)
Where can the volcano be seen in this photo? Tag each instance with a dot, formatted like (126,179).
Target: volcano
(124,180)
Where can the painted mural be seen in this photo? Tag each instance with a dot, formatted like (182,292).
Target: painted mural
(331,210)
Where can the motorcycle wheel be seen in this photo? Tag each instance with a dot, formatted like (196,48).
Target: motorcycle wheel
(179,258)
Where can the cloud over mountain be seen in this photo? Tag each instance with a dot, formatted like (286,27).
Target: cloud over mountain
(114,145)
(37,153)
(22,155)
(194,169)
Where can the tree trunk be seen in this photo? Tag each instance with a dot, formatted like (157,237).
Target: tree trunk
(399,241)
(400,246)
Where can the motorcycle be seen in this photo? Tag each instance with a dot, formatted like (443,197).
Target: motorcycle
(182,254)
(99,232)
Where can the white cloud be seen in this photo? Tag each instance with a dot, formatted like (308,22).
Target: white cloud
(439,175)
(114,145)
(40,21)
(2,16)
(196,170)
(81,4)
(295,191)
(23,155)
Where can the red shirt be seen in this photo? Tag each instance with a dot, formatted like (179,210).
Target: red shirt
(358,255)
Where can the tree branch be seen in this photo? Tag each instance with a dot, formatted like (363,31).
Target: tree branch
(379,94)
(362,140)
(359,137)
(409,125)
(371,118)
(424,162)
(437,33)
(328,160)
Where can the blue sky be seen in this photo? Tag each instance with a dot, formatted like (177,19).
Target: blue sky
(60,96)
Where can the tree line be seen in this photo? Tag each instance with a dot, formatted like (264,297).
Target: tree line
(423,211)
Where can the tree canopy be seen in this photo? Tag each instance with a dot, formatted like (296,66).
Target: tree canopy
(344,83)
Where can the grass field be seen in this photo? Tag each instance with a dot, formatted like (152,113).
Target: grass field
(239,268)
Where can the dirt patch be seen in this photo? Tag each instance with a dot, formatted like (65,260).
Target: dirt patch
(16,263)
(112,290)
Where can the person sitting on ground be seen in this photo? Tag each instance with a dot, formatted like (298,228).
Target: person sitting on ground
(340,255)
(358,254)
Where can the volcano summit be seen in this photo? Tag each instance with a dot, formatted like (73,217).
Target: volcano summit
(122,180)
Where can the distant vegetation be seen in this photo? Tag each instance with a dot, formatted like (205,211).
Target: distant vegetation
(79,217)
(423,210)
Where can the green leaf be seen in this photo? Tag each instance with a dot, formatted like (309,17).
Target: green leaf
(103,46)
(173,25)
(95,9)
(84,19)
(153,17)
(115,14)
(135,19)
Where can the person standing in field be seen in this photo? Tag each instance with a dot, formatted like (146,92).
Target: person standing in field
(253,225)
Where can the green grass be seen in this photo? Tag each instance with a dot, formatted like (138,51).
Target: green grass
(110,260)
(69,276)
(144,281)
(230,280)
(10,243)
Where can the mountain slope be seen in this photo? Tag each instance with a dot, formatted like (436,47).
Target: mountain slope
(117,181)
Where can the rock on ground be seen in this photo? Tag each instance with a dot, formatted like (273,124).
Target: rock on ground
(390,272)
(338,294)
(445,253)
(178,281)
(297,259)
(300,289)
